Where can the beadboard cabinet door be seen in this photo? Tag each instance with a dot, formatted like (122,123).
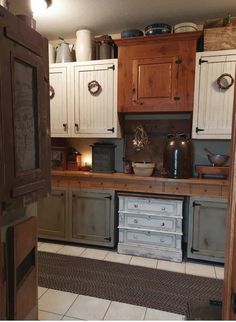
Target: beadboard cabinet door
(94,90)
(53,215)
(207,229)
(59,100)
(213,106)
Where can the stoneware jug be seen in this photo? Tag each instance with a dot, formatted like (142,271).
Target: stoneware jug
(83,47)
(177,161)
(64,53)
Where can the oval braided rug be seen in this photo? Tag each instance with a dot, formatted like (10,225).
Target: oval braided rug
(153,288)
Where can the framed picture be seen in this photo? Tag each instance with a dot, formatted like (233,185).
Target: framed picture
(58,158)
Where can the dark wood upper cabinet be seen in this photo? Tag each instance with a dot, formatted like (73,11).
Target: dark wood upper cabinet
(156,73)
(24,110)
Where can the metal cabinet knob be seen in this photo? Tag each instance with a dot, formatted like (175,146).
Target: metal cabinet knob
(163,208)
(135,221)
(135,206)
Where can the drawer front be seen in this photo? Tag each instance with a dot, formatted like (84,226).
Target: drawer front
(149,205)
(150,238)
(160,223)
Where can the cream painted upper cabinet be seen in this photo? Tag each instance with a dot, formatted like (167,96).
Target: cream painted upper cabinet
(94,91)
(213,106)
(59,100)
(84,103)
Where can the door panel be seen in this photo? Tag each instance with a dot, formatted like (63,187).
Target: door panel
(52,215)
(155,82)
(25,128)
(59,105)
(91,217)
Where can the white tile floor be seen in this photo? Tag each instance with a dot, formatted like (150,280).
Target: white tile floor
(58,305)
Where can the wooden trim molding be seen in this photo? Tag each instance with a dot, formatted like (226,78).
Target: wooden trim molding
(132,183)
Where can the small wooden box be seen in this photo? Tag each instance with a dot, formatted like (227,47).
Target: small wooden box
(220,38)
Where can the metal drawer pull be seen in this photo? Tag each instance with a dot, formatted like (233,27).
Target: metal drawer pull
(135,221)
(163,208)
(162,240)
(77,127)
(65,126)
(135,206)
(163,224)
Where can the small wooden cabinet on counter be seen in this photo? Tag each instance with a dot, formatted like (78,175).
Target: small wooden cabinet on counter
(156,73)
(84,99)
(78,215)
(213,104)
(207,229)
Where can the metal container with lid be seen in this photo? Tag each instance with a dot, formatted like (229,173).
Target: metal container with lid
(177,161)
(103,157)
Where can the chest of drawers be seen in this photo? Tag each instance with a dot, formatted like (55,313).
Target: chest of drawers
(150,226)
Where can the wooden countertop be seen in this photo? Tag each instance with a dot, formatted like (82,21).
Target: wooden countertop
(118,176)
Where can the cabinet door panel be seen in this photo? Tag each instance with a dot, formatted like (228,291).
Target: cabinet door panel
(91,217)
(213,106)
(94,114)
(59,80)
(155,82)
(207,230)
(52,215)
(25,128)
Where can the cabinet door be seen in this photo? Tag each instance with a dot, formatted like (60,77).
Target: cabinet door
(59,82)
(155,82)
(95,114)
(92,218)
(213,106)
(207,230)
(24,105)
(52,215)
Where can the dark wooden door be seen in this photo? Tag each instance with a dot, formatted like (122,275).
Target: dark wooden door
(229,297)
(155,82)
(25,120)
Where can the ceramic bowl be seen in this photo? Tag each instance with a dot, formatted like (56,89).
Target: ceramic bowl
(131,33)
(143,169)
(157,29)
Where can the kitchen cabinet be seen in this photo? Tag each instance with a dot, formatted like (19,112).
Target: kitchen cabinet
(60,100)
(24,110)
(92,217)
(85,216)
(207,229)
(156,73)
(213,106)
(150,226)
(52,215)
(84,102)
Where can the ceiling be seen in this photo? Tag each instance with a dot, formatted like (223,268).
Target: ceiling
(64,17)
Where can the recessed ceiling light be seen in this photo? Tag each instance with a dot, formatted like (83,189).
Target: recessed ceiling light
(39,6)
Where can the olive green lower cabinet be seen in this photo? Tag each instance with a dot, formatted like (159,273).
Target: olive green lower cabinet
(52,215)
(88,216)
(207,229)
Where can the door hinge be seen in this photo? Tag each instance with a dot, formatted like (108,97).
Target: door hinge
(176,98)
(194,250)
(111,67)
(108,197)
(111,129)
(199,130)
(201,61)
(234,302)
(195,204)
(108,238)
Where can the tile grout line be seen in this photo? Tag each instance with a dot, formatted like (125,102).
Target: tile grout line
(107,310)
(145,314)
(71,305)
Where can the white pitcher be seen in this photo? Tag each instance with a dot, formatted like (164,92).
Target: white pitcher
(83,47)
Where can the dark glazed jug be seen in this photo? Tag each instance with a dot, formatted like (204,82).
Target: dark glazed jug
(177,160)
